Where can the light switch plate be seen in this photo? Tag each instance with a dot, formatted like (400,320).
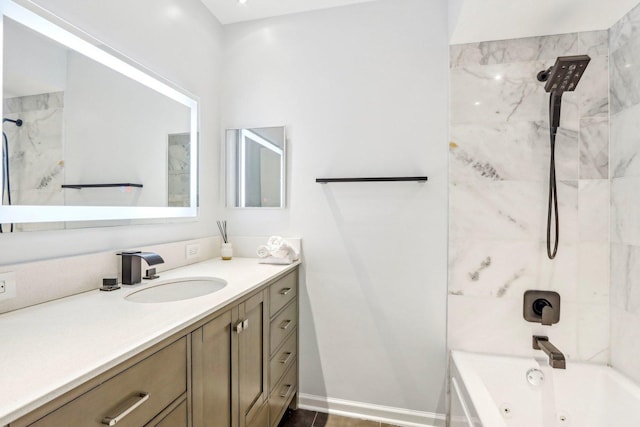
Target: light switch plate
(9,280)
(192,251)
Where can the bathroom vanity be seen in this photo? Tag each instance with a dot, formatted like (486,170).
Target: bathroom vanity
(224,359)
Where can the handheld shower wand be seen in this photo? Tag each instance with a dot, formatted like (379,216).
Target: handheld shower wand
(562,77)
(6,183)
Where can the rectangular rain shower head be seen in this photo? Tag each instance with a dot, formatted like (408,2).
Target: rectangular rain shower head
(566,73)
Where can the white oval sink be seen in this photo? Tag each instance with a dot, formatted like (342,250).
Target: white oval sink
(177,290)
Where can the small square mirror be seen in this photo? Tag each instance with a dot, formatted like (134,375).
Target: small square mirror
(255,167)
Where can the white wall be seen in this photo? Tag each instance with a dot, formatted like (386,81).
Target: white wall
(363,92)
(169,37)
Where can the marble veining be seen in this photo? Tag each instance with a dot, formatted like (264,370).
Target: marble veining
(594,148)
(624,84)
(546,48)
(625,210)
(179,185)
(510,210)
(625,269)
(593,89)
(35,148)
(626,29)
(593,43)
(484,264)
(625,143)
(625,199)
(504,93)
(516,50)
(483,168)
(499,169)
(593,216)
(44,101)
(517,265)
(487,151)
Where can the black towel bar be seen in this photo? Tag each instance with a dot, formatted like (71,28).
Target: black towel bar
(378,179)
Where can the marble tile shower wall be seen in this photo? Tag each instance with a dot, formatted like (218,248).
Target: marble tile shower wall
(625,197)
(36,152)
(499,167)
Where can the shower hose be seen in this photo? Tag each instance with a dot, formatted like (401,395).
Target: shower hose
(553,198)
(5,172)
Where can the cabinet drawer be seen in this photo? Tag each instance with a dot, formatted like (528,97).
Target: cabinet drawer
(175,418)
(282,393)
(262,419)
(283,291)
(283,358)
(161,376)
(282,325)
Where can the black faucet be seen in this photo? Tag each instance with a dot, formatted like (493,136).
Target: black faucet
(132,268)
(556,358)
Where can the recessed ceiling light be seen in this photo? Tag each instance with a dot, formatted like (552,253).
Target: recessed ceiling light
(242,1)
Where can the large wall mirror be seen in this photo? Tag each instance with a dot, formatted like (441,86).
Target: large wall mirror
(88,135)
(255,167)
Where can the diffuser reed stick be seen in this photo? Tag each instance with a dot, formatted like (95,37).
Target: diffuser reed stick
(222,226)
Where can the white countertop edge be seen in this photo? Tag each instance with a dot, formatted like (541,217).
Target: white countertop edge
(11,410)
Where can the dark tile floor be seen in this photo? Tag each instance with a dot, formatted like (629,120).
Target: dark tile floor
(303,418)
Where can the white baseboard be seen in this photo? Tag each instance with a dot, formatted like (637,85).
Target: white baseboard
(385,414)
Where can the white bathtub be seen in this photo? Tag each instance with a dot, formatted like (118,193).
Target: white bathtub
(494,391)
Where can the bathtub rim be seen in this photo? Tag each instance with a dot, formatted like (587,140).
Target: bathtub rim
(484,405)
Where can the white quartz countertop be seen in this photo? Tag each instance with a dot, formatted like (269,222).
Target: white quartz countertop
(49,349)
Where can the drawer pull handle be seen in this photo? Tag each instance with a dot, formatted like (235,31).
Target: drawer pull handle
(288,386)
(129,406)
(285,291)
(288,355)
(285,324)
(245,324)
(238,328)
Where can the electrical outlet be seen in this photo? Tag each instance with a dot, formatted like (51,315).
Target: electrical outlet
(192,251)
(7,285)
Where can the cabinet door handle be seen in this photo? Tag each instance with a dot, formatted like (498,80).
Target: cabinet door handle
(238,327)
(245,324)
(129,406)
(285,324)
(287,357)
(285,291)
(288,386)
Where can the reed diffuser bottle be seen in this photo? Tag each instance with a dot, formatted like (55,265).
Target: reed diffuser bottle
(226,248)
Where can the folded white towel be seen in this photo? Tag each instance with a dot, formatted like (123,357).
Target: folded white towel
(274,260)
(274,242)
(277,248)
(263,251)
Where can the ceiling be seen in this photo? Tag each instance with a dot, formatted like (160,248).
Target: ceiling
(469,20)
(230,11)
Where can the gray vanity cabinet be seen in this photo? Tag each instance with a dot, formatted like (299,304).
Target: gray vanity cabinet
(283,346)
(235,368)
(253,358)
(211,355)
(229,367)
(140,394)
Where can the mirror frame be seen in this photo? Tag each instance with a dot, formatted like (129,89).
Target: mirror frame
(45,213)
(229,180)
